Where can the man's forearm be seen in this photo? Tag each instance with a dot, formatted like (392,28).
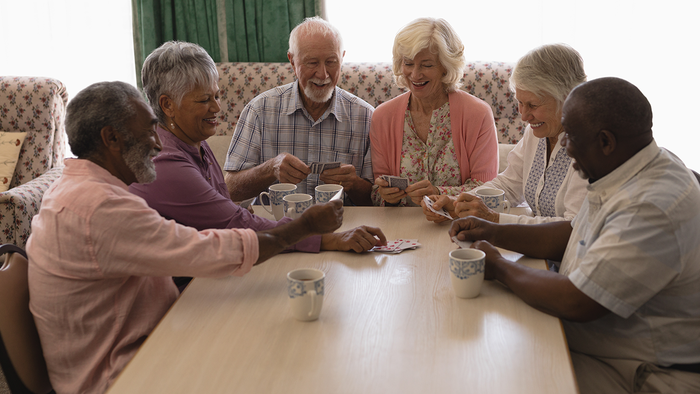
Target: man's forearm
(547,291)
(277,239)
(544,241)
(361,193)
(249,183)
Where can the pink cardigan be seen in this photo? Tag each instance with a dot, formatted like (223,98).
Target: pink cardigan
(473,132)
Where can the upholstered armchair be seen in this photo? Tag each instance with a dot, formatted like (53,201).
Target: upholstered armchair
(35,106)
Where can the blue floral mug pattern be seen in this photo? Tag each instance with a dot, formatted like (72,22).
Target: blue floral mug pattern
(305,290)
(495,199)
(296,204)
(467,271)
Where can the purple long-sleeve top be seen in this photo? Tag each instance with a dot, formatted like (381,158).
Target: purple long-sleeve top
(191,190)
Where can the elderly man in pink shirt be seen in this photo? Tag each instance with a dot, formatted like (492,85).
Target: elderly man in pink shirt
(101,260)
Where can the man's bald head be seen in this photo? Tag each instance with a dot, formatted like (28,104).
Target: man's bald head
(607,121)
(615,105)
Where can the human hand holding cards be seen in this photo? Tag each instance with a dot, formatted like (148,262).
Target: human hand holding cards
(318,167)
(429,203)
(396,181)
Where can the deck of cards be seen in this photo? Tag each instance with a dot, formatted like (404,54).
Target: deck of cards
(318,167)
(397,246)
(396,181)
(429,203)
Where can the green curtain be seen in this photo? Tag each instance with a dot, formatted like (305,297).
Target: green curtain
(229,30)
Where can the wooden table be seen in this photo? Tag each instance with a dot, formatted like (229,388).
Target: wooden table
(390,324)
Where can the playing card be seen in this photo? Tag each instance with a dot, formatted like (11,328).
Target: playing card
(462,244)
(337,196)
(397,246)
(396,181)
(429,203)
(318,167)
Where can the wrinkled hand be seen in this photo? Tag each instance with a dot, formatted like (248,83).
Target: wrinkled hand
(473,229)
(344,175)
(289,169)
(491,254)
(419,189)
(440,202)
(392,195)
(323,218)
(469,205)
(360,239)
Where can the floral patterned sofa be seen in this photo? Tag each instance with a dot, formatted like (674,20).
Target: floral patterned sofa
(373,82)
(36,106)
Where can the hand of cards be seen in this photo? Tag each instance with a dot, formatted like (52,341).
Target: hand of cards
(318,167)
(397,246)
(396,181)
(429,203)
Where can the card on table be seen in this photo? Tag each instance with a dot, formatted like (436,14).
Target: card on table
(429,203)
(318,167)
(396,181)
(397,246)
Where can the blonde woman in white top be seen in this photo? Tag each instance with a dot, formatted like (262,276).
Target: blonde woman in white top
(539,171)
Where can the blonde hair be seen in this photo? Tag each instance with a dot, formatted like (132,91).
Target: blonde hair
(440,38)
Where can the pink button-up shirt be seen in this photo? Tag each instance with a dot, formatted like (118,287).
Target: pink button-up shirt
(100,267)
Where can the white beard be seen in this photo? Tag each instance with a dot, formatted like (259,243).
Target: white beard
(319,95)
(138,159)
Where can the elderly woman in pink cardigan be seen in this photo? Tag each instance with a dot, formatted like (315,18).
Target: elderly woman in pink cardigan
(439,137)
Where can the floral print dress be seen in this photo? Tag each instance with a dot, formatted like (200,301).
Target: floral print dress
(435,159)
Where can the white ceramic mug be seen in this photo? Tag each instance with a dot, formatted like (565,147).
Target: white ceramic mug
(467,271)
(324,193)
(296,204)
(305,288)
(495,199)
(276,194)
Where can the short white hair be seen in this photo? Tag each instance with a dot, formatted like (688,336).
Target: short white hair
(549,70)
(440,38)
(174,69)
(310,26)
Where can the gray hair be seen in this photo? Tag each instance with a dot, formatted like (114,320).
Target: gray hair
(553,69)
(440,38)
(310,26)
(95,107)
(173,69)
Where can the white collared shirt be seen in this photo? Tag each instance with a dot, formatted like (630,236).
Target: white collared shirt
(557,186)
(635,249)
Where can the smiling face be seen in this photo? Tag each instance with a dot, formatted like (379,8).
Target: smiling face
(317,66)
(424,75)
(195,117)
(540,112)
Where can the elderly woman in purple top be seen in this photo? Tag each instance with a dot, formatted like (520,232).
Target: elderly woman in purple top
(181,82)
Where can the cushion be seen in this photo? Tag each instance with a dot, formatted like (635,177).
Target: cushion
(503,151)
(10,145)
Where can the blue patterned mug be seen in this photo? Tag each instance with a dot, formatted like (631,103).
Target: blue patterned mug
(324,193)
(495,199)
(276,194)
(295,204)
(467,271)
(305,289)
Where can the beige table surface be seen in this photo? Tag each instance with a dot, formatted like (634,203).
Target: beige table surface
(390,324)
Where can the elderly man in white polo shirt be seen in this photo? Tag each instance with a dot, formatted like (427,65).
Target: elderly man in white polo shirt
(628,289)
